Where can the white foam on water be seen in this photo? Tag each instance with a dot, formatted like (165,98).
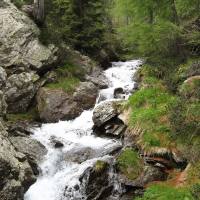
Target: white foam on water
(59,176)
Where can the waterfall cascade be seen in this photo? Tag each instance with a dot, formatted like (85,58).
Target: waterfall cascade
(60,171)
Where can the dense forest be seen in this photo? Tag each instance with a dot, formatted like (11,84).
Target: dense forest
(163,113)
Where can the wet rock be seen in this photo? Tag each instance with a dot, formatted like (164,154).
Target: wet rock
(15,172)
(79,154)
(103,113)
(118,93)
(99,79)
(106,121)
(20,90)
(96,180)
(85,95)
(19,39)
(33,149)
(58,144)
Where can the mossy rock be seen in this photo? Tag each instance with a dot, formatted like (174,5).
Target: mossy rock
(129,163)
(191,88)
(100,166)
(30,115)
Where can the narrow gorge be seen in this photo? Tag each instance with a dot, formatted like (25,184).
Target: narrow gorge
(99,100)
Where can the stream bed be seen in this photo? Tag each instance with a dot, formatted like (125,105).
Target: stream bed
(61,168)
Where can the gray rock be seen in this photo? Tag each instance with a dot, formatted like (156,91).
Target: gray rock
(20,46)
(3,105)
(3,77)
(16,174)
(118,93)
(103,113)
(79,154)
(99,79)
(33,149)
(20,90)
(86,95)
(55,104)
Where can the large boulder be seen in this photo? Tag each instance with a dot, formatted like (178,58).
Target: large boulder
(97,181)
(20,90)
(103,113)
(16,174)
(33,150)
(85,95)
(55,104)
(20,48)
(106,121)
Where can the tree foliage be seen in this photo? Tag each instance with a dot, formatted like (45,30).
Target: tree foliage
(157,29)
(81,23)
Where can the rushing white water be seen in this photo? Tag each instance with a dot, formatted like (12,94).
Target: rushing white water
(60,171)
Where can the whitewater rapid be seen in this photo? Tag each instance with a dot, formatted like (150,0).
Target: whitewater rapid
(60,172)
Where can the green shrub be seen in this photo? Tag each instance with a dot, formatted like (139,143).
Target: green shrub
(164,192)
(129,163)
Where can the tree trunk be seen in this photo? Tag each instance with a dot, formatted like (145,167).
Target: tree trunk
(38,11)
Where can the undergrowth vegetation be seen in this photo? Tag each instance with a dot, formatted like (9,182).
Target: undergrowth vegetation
(165,192)
(68,78)
(129,163)
(150,111)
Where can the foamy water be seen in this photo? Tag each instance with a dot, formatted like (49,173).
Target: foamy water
(60,174)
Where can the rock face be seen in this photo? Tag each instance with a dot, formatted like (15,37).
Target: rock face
(106,121)
(20,48)
(3,77)
(16,173)
(97,182)
(55,104)
(3,105)
(19,91)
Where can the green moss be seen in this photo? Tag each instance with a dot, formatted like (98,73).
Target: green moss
(100,166)
(30,115)
(164,192)
(129,163)
(66,84)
